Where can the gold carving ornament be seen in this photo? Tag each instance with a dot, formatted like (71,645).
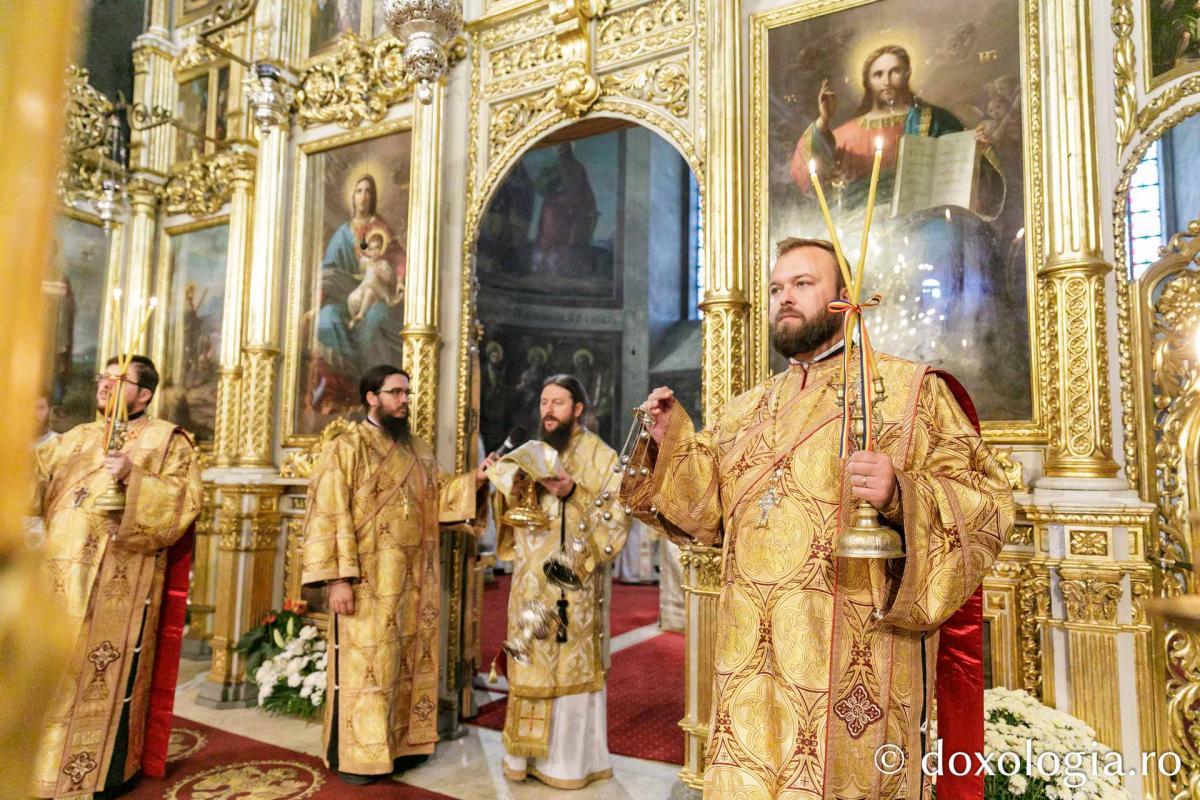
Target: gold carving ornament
(300,463)
(577,90)
(706,561)
(202,185)
(87,115)
(1033,597)
(664,84)
(641,21)
(358,81)
(1124,68)
(1088,542)
(1091,599)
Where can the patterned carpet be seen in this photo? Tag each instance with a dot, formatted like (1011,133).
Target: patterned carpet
(209,764)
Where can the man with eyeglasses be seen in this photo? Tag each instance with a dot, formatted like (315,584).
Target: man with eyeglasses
(121,577)
(375,500)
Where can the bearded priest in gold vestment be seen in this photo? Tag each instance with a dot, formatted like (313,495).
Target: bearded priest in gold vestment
(823,660)
(124,586)
(555,725)
(371,536)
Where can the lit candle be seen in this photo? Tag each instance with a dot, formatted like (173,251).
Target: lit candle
(862,256)
(833,237)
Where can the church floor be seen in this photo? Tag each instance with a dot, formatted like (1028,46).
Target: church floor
(467,768)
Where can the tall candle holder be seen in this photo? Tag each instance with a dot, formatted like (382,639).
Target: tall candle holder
(116,411)
(865,536)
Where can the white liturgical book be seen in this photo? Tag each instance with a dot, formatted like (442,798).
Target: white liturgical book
(536,459)
(935,171)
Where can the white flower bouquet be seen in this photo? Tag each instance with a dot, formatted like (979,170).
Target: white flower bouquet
(1035,752)
(287,658)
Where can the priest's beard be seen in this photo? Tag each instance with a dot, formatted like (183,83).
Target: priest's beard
(397,429)
(807,337)
(560,436)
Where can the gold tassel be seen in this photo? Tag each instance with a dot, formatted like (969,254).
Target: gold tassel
(493,677)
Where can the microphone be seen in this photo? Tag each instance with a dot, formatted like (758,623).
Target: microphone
(516,437)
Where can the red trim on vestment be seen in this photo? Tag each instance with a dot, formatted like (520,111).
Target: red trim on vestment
(171,620)
(960,671)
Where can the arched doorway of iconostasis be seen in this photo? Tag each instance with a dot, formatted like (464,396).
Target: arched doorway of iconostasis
(589,263)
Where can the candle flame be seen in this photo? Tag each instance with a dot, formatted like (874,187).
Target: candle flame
(117,293)
(153,302)
(879,144)
(812,166)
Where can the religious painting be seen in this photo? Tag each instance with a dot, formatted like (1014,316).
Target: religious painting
(329,19)
(939,86)
(202,108)
(515,362)
(76,281)
(556,216)
(188,10)
(349,264)
(1174,33)
(192,293)
(191,109)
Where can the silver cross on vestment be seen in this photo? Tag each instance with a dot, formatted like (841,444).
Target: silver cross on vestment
(769,500)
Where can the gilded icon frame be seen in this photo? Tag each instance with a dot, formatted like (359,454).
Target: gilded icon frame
(1032,431)
(295,308)
(164,276)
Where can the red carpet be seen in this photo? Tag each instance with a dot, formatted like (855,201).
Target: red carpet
(632,607)
(209,764)
(645,701)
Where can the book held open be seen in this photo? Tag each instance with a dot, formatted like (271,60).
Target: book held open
(935,171)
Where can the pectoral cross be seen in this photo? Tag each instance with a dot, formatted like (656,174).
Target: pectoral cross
(79,495)
(768,501)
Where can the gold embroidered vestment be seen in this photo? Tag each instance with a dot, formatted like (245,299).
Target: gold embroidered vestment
(819,658)
(108,571)
(373,514)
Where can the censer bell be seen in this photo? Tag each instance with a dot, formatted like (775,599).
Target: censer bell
(527,513)
(566,567)
(518,649)
(538,620)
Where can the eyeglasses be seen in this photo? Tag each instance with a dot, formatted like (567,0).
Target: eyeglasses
(102,377)
(397,392)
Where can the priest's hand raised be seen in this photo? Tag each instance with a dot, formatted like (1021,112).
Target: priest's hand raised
(341,598)
(658,404)
(872,478)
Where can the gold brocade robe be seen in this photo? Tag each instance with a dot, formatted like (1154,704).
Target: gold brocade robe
(108,571)
(581,663)
(819,658)
(373,513)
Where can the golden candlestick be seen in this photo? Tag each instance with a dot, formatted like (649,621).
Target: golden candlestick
(112,499)
(864,537)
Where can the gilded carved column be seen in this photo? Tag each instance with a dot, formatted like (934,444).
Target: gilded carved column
(153,87)
(248,523)
(726,311)
(420,333)
(701,587)
(1096,654)
(229,379)
(726,355)
(270,97)
(1078,408)
(144,195)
